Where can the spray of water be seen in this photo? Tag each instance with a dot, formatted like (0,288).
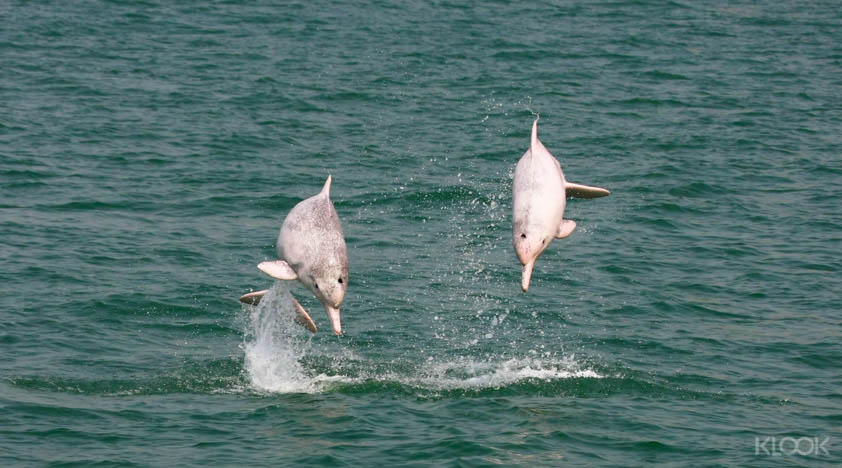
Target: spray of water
(274,345)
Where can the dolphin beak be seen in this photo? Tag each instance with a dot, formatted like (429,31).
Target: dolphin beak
(527,275)
(333,313)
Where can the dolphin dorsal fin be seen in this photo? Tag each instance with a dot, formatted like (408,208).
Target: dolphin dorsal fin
(534,143)
(326,189)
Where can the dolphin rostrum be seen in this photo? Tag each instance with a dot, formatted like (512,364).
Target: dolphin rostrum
(540,194)
(312,249)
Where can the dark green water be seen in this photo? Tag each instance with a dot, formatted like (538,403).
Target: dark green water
(149,152)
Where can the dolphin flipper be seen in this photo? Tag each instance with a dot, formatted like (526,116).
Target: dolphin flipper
(253,298)
(565,228)
(278,269)
(584,191)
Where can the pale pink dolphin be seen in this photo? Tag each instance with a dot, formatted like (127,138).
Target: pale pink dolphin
(540,194)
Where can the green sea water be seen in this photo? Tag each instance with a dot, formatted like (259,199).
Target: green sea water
(150,150)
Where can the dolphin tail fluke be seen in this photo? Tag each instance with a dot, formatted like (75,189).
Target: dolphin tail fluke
(303,318)
(253,298)
(584,191)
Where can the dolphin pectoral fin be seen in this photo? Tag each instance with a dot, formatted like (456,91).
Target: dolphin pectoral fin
(278,269)
(303,318)
(565,228)
(253,298)
(584,191)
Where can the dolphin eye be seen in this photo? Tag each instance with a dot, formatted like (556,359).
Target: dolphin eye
(523,236)
(543,241)
(316,285)
(340,280)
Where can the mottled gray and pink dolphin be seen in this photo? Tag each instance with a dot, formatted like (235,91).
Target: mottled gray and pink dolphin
(311,247)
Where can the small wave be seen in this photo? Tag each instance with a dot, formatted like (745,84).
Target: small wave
(196,377)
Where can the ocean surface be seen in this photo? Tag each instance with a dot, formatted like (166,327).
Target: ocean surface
(149,151)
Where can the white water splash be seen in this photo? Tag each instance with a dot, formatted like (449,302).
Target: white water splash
(274,345)
(471,374)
